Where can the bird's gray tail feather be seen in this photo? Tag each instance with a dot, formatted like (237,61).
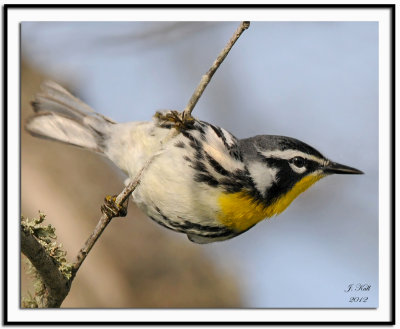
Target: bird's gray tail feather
(62,117)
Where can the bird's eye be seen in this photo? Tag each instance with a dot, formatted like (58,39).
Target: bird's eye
(299,162)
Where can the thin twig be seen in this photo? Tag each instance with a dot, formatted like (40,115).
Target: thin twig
(206,78)
(106,218)
(101,225)
(124,195)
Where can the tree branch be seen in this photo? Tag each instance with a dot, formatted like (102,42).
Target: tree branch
(206,78)
(56,284)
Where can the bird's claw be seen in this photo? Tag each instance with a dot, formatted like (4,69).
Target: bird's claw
(174,119)
(111,209)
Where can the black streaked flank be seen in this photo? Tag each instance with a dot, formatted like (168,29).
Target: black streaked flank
(187,158)
(200,166)
(231,182)
(204,178)
(193,228)
(218,131)
(194,140)
(195,144)
(236,153)
(180,144)
(233,149)
(199,155)
(200,227)
(216,165)
(200,129)
(164,224)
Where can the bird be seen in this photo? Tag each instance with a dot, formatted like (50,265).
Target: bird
(202,181)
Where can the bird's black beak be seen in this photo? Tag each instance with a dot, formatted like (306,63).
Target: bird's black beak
(337,168)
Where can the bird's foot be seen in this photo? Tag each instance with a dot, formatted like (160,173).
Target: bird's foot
(174,119)
(112,209)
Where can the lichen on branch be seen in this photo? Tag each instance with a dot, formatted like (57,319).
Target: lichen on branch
(52,272)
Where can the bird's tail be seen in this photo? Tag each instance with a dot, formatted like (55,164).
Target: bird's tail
(62,117)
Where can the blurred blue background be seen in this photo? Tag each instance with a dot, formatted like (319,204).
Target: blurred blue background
(314,81)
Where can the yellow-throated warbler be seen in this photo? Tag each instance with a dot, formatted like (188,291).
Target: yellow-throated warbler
(204,182)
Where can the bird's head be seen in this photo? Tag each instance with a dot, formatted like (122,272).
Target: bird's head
(283,167)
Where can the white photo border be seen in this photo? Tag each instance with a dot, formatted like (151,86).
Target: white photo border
(15,14)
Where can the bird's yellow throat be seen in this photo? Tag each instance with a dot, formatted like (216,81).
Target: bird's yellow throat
(239,211)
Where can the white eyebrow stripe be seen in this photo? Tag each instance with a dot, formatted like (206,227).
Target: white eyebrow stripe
(289,154)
